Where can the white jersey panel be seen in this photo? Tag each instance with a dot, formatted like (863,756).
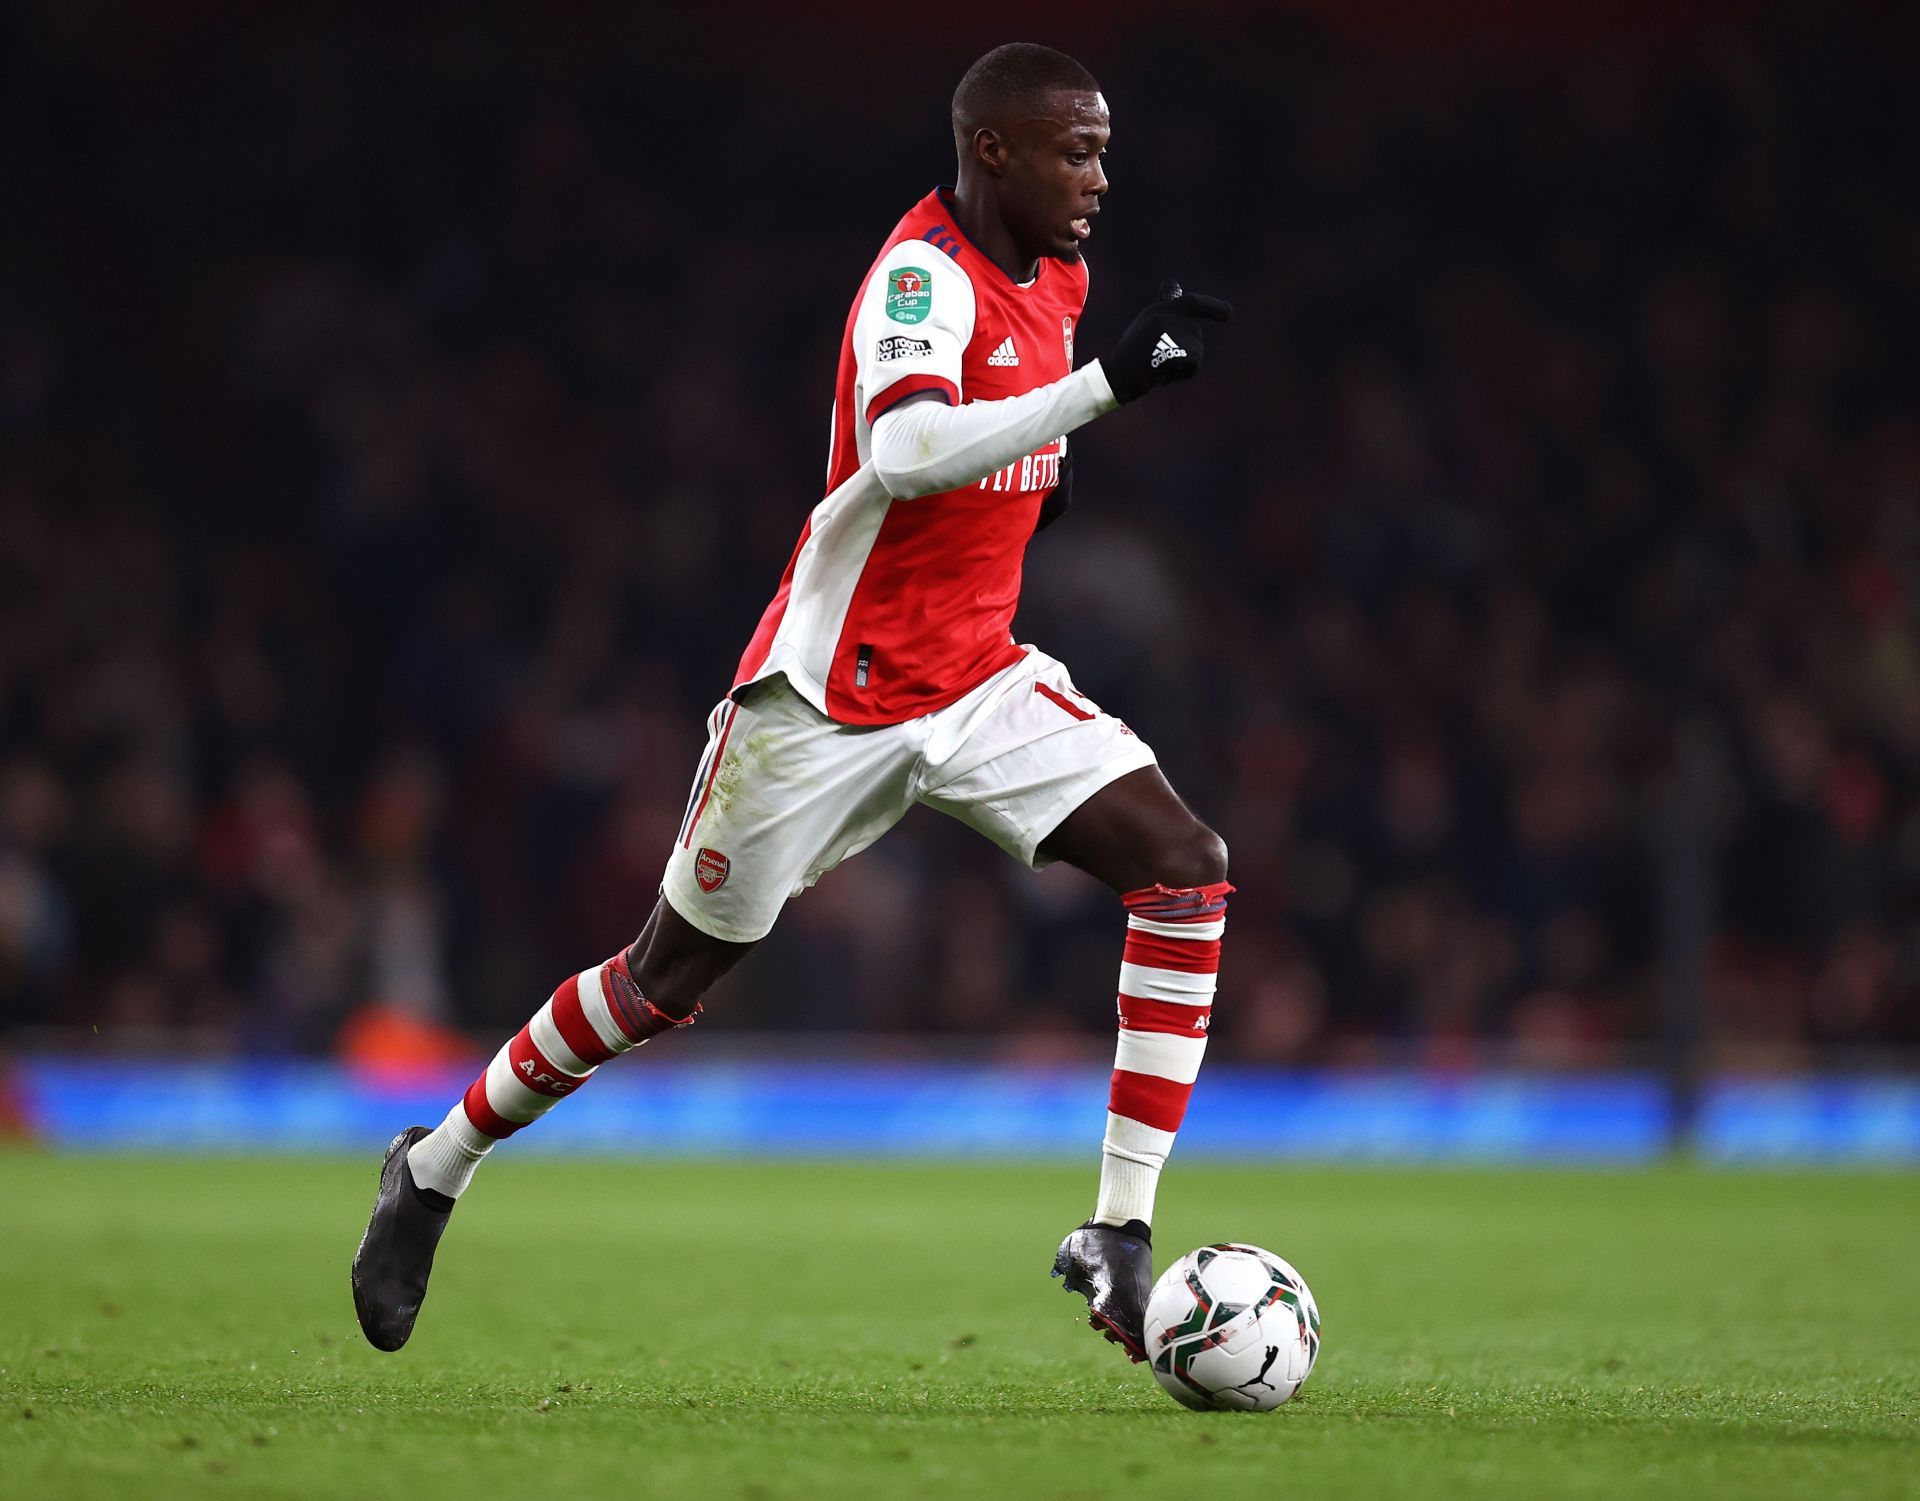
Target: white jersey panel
(840,536)
(915,320)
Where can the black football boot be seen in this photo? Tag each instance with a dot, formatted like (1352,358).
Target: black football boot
(395,1258)
(1112,1269)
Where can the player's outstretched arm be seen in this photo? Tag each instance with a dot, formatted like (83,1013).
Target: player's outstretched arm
(923,447)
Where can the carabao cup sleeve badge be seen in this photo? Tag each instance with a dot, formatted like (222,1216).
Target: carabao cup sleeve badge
(909,294)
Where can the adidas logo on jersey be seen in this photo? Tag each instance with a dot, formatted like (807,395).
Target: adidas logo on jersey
(1163,351)
(1005,354)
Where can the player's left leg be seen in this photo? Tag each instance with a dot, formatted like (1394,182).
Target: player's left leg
(651,986)
(782,796)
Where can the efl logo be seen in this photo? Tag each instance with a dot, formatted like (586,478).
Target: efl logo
(710,870)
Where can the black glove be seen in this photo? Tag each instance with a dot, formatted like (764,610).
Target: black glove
(1163,343)
(1061,496)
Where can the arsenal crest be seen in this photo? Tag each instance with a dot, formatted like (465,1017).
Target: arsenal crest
(710,869)
(1066,337)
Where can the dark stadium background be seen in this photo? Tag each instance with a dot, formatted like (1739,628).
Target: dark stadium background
(404,417)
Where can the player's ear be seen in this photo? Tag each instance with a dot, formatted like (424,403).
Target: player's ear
(990,149)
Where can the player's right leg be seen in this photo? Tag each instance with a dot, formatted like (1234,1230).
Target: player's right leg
(1046,774)
(783,794)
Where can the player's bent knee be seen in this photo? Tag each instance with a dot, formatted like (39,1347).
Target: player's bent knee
(1200,859)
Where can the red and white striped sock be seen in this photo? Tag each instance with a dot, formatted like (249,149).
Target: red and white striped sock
(1167,977)
(590,1018)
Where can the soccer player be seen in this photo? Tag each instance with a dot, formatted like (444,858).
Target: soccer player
(884,674)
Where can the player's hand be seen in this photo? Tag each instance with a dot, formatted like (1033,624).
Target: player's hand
(1163,344)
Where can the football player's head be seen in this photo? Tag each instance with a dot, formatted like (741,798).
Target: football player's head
(1030,126)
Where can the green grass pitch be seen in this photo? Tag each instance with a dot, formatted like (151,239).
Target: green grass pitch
(767,1331)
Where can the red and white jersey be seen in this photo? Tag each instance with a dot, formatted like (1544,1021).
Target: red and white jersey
(891,609)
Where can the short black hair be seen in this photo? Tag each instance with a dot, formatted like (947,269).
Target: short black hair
(1019,73)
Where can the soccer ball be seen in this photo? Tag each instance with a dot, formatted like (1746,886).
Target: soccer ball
(1232,1327)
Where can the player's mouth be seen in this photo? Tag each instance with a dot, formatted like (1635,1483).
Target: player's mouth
(1082,227)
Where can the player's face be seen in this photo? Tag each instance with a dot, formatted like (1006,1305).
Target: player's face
(1055,177)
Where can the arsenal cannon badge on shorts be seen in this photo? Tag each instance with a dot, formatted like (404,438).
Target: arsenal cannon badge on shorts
(710,870)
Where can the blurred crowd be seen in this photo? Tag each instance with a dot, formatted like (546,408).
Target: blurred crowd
(400,436)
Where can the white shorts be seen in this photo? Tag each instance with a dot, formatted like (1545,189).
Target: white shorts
(784,794)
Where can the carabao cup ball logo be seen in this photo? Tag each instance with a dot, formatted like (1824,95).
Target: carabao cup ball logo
(908,296)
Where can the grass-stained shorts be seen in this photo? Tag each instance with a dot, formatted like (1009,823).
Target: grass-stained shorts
(784,794)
